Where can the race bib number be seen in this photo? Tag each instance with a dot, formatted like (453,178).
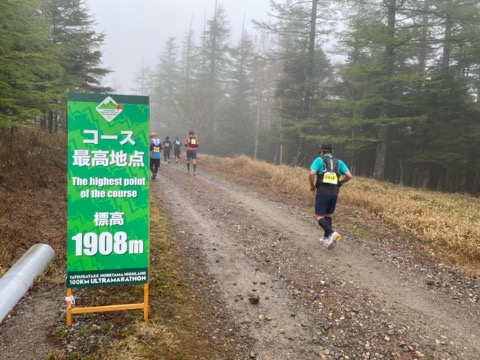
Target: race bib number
(167,145)
(193,142)
(156,149)
(330,178)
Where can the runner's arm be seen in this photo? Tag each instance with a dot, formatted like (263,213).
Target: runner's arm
(347,175)
(312,175)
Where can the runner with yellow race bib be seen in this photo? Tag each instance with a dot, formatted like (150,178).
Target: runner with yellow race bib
(327,174)
(191,142)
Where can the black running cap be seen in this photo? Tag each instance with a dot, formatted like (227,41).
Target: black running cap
(190,133)
(326,147)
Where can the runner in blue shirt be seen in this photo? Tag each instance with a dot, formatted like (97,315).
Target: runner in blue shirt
(327,174)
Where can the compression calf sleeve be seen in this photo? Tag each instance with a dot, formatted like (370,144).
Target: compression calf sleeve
(325,225)
(329,220)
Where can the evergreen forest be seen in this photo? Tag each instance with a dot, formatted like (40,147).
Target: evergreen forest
(394,85)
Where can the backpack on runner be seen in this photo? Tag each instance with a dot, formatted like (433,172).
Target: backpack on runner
(330,174)
(192,141)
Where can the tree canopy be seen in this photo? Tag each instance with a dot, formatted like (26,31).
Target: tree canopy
(47,48)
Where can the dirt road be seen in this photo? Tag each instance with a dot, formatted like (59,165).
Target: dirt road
(375,296)
(372,297)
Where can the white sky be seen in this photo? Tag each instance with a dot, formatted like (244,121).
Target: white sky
(136,30)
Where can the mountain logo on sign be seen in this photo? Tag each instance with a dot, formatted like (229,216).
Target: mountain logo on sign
(109,109)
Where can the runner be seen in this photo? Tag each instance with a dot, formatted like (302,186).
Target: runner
(191,142)
(330,173)
(167,145)
(177,144)
(155,148)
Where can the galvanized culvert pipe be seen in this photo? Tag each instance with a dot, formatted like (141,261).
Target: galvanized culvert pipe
(18,279)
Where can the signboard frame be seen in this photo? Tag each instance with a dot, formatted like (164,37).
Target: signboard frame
(107,195)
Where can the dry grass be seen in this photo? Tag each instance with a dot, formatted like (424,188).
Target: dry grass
(32,193)
(446,223)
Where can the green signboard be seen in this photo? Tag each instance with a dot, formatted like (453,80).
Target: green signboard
(108,188)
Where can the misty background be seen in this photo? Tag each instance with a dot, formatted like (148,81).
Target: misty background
(136,31)
(393,85)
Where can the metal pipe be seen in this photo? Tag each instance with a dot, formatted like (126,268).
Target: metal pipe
(16,281)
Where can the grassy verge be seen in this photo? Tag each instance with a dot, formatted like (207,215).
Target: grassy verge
(32,193)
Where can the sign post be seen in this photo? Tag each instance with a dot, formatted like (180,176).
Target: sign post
(108,195)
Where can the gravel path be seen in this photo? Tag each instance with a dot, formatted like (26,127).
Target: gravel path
(366,299)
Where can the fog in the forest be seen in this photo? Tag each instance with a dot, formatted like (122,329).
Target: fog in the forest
(136,31)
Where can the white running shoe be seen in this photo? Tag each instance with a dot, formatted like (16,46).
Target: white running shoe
(322,240)
(332,240)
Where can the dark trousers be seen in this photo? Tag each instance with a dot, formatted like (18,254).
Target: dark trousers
(154,165)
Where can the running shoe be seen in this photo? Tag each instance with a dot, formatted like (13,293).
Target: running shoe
(332,240)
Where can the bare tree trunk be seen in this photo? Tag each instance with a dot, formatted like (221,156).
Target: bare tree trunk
(43,121)
(50,122)
(447,43)
(381,154)
(275,156)
(56,117)
(422,58)
(475,186)
(311,56)
(281,149)
(478,88)
(12,132)
(257,129)
(434,177)
(400,165)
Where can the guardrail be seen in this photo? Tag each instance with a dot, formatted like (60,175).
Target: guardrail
(15,283)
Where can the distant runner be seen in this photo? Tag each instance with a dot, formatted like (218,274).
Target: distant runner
(155,148)
(191,142)
(177,144)
(167,146)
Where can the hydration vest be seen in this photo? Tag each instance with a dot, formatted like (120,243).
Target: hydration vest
(155,146)
(192,141)
(330,174)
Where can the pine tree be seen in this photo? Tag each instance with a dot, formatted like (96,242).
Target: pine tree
(235,118)
(306,71)
(78,43)
(27,64)
(166,89)
(214,52)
